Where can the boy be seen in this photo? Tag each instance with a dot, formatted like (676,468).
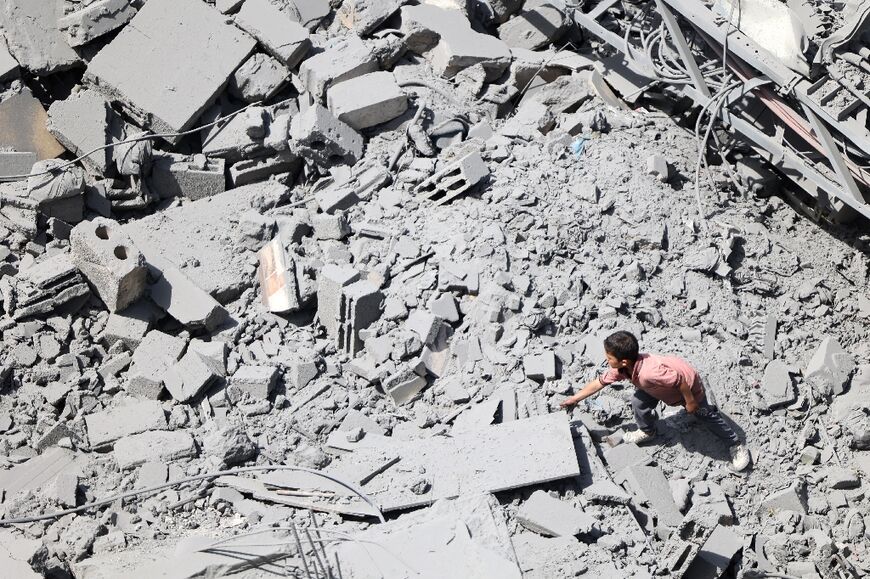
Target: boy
(659,378)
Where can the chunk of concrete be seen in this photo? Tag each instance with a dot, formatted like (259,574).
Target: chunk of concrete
(16,163)
(64,489)
(651,487)
(450,44)
(129,326)
(23,127)
(831,365)
(107,426)
(258,381)
(553,517)
(791,498)
(84,122)
(626,455)
(777,387)
(259,78)
(716,553)
(194,177)
(607,491)
(361,306)
(37,471)
(110,261)
(213,353)
(154,356)
(8,64)
(95,20)
(367,100)
(33,37)
(182,299)
(535,28)
(316,135)
(301,367)
(342,59)
(540,366)
(454,180)
(280,36)
(424,325)
(169,63)
(188,377)
(331,281)
(163,446)
(657,166)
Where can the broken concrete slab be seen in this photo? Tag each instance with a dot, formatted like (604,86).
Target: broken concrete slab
(506,456)
(188,377)
(33,37)
(107,426)
(130,325)
(155,355)
(316,135)
(107,257)
(38,471)
(194,177)
(626,455)
(791,498)
(342,58)
(367,100)
(258,381)
(22,127)
(540,366)
(258,79)
(96,19)
(831,365)
(535,28)
(553,517)
(204,52)
(716,553)
(84,122)
(8,64)
(181,298)
(282,37)
(777,386)
(156,445)
(651,487)
(16,163)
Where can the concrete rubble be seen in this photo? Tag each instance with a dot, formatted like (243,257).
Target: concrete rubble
(306,282)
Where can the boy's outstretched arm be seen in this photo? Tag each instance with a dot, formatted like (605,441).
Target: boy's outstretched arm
(688,397)
(587,391)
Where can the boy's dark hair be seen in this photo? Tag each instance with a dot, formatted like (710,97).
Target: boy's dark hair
(623,345)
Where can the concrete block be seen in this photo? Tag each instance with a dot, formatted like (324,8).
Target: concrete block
(203,51)
(280,36)
(8,66)
(64,489)
(258,381)
(214,354)
(364,16)
(52,436)
(16,163)
(657,166)
(83,122)
(361,306)
(445,308)
(831,365)
(626,455)
(535,28)
(188,377)
(194,177)
(334,226)
(791,498)
(107,257)
(107,426)
(37,471)
(716,553)
(777,386)
(249,171)
(367,100)
(651,487)
(163,446)
(154,356)
(242,136)
(129,325)
(330,284)
(259,78)
(342,59)
(404,385)
(456,45)
(424,324)
(301,367)
(540,366)
(184,300)
(152,474)
(607,491)
(454,180)
(354,419)
(33,37)
(553,517)
(95,20)
(316,135)
(336,198)
(22,126)
(279,291)
(840,478)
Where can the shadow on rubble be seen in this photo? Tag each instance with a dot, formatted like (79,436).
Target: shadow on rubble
(690,433)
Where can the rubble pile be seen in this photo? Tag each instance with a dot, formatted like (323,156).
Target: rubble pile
(297,286)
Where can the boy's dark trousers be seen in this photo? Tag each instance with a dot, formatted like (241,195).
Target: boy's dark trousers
(644,407)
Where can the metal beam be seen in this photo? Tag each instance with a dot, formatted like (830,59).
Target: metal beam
(683,48)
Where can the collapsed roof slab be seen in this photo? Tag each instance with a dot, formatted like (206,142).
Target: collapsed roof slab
(201,238)
(169,63)
(22,127)
(33,36)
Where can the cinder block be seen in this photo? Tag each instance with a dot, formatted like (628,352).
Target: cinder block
(95,20)
(182,176)
(283,38)
(259,78)
(131,451)
(343,58)
(249,171)
(404,385)
(107,257)
(455,179)
(361,306)
(301,367)
(155,354)
(258,381)
(107,426)
(534,28)
(316,135)
(367,100)
(552,517)
(330,283)
(214,353)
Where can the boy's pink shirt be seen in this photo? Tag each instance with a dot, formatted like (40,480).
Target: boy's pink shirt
(659,376)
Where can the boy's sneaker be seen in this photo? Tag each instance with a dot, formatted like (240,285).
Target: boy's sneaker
(637,437)
(740,457)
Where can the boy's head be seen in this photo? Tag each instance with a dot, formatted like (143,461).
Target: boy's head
(621,349)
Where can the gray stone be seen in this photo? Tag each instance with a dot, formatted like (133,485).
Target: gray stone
(33,37)
(63,489)
(445,308)
(258,79)
(552,517)
(316,135)
(129,325)
(110,261)
(301,367)
(425,325)
(182,176)
(778,389)
(657,166)
(367,100)
(354,419)
(169,63)
(791,498)
(107,426)
(152,474)
(283,38)
(334,226)
(131,451)
(154,356)
(188,377)
(540,366)
(841,478)
(83,122)
(343,58)
(230,444)
(831,365)
(258,381)
(534,28)
(95,20)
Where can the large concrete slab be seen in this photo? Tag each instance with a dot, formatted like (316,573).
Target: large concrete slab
(110,425)
(283,38)
(22,127)
(83,122)
(201,238)
(492,459)
(37,471)
(168,64)
(157,445)
(32,35)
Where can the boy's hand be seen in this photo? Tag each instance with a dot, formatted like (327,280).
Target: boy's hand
(691,406)
(568,402)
